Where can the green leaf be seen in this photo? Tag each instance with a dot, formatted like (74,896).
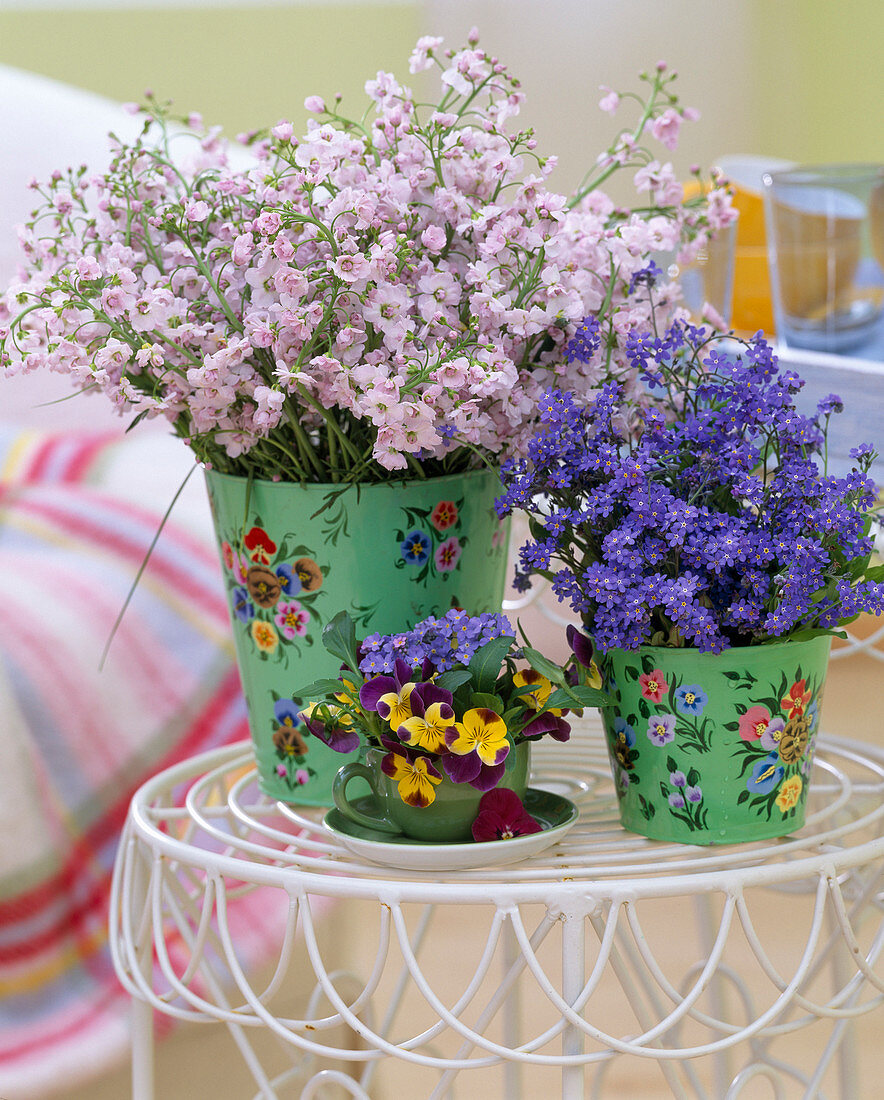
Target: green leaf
(319,689)
(486,663)
(693,777)
(484,699)
(452,679)
(578,696)
(544,665)
(339,638)
(671,766)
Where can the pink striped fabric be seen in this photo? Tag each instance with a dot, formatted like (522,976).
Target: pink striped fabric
(75,743)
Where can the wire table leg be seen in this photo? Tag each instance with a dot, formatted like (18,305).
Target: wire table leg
(142,1050)
(573,979)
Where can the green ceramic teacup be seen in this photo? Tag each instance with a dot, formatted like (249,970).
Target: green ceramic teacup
(447,819)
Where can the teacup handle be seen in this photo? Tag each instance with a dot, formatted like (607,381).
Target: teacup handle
(339,793)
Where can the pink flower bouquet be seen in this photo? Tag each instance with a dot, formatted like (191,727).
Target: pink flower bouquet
(373,297)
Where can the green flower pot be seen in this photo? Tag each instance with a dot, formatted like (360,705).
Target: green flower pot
(714,748)
(294,555)
(449,817)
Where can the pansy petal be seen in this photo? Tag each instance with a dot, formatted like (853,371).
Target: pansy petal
(549,723)
(489,776)
(462,769)
(372,690)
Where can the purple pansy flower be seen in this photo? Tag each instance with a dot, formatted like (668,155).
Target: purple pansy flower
(661,729)
(676,800)
(502,816)
(678,779)
(693,794)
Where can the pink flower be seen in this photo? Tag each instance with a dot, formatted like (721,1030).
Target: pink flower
(754,722)
(610,101)
(666,126)
(433,238)
(292,619)
(653,685)
(196,210)
(502,816)
(315,104)
(448,554)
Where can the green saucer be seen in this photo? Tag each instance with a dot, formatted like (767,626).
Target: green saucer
(553,812)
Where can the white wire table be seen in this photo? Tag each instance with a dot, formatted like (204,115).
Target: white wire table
(605,951)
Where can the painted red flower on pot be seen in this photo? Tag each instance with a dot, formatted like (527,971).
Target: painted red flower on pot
(754,722)
(502,816)
(260,546)
(797,699)
(444,515)
(653,685)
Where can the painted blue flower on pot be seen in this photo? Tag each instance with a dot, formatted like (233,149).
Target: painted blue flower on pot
(661,729)
(766,775)
(289,581)
(415,548)
(242,605)
(690,699)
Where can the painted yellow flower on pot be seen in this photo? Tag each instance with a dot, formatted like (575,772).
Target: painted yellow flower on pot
(265,636)
(789,793)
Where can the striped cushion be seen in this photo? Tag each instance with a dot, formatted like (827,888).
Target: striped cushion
(75,742)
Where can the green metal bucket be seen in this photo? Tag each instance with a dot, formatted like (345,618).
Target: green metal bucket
(294,555)
(714,748)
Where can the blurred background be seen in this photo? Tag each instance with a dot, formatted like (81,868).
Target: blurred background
(799,79)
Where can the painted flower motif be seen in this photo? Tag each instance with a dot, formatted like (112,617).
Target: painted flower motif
(416,778)
(292,619)
(502,816)
(797,699)
(676,800)
(227,555)
(263,585)
(264,636)
(678,779)
(789,794)
(289,741)
(770,739)
(448,554)
(693,794)
(309,574)
(289,581)
(444,515)
(243,608)
(432,715)
(766,774)
(260,546)
(302,776)
(415,548)
(624,740)
(653,685)
(661,729)
(690,699)
(753,723)
(793,740)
